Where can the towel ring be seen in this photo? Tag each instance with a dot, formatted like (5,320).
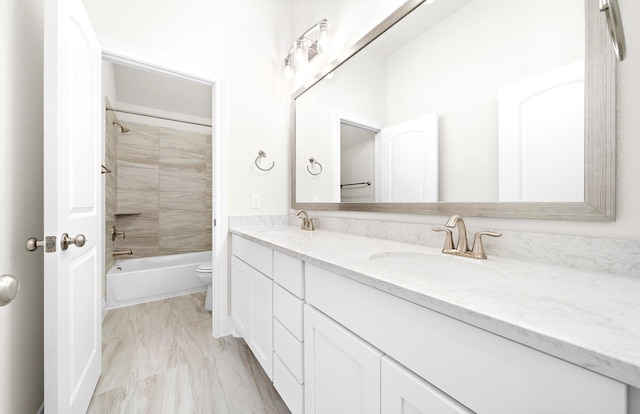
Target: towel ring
(262,154)
(614,22)
(313,162)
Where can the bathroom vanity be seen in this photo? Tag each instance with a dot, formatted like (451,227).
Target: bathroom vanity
(341,325)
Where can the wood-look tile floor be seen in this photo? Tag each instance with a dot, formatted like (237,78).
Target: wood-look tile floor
(160,357)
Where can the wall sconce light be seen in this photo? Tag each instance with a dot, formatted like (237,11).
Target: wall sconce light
(309,45)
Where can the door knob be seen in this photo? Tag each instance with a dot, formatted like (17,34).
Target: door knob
(9,287)
(65,241)
(49,244)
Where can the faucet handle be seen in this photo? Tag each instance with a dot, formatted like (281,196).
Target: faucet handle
(477,252)
(115,233)
(448,241)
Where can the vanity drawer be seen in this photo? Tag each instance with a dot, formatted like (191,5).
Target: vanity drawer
(289,349)
(289,311)
(254,254)
(290,390)
(483,371)
(288,272)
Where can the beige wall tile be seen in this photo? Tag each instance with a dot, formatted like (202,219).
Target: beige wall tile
(142,201)
(137,178)
(183,201)
(182,180)
(166,176)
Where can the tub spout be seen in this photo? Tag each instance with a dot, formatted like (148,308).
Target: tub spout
(123,252)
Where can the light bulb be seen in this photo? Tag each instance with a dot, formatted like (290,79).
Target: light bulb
(288,69)
(323,37)
(300,57)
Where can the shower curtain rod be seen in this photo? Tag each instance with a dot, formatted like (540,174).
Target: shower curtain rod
(157,117)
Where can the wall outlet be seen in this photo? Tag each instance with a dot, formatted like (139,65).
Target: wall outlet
(255,200)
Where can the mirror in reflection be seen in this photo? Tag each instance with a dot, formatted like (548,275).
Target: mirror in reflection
(461,101)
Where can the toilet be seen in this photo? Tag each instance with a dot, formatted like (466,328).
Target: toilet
(205,273)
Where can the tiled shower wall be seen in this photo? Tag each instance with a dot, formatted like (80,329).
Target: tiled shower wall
(110,185)
(163,191)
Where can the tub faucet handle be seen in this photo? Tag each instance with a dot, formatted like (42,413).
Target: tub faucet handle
(115,233)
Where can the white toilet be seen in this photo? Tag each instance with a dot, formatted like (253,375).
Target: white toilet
(205,274)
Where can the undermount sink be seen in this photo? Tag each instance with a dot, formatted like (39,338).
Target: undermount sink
(439,267)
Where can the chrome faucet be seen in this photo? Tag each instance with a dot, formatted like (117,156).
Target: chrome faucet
(307,223)
(457,222)
(462,247)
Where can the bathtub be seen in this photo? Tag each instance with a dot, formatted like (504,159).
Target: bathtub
(145,279)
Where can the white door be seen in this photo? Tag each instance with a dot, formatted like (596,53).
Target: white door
(409,161)
(541,137)
(341,371)
(72,198)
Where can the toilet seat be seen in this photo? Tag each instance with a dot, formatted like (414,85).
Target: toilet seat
(204,268)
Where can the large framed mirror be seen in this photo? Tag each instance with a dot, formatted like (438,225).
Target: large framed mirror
(487,108)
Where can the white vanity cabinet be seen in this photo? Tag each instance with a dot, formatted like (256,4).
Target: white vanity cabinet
(333,345)
(481,371)
(252,298)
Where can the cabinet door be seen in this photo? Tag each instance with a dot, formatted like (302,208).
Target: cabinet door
(342,372)
(252,310)
(260,337)
(240,296)
(403,392)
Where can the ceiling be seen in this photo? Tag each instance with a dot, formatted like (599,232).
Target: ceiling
(162,92)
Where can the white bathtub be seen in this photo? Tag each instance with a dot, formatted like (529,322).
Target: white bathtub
(133,281)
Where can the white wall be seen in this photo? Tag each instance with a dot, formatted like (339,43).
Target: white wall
(244,40)
(21,211)
(109,82)
(628,149)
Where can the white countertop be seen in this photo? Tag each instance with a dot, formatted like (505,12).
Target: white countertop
(590,319)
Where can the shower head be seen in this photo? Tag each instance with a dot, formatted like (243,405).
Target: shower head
(123,130)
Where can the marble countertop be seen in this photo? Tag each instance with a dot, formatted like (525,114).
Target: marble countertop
(588,318)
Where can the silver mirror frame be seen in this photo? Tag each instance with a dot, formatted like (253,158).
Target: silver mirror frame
(600,140)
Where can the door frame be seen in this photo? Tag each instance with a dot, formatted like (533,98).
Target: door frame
(345,117)
(129,55)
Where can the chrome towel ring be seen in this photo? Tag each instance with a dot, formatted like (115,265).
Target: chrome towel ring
(262,154)
(313,162)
